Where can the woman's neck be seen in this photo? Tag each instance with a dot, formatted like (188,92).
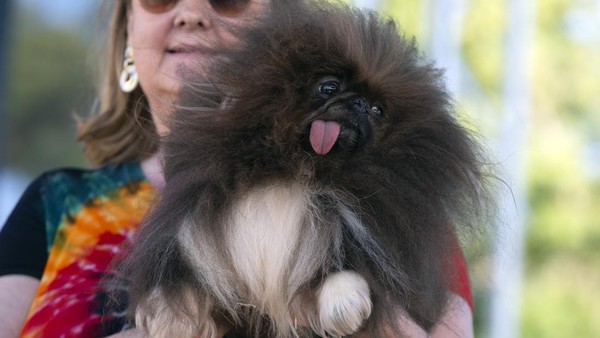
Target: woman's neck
(153,170)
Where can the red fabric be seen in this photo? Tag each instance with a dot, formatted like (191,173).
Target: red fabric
(75,310)
(459,275)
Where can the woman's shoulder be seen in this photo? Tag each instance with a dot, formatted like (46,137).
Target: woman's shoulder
(65,191)
(72,181)
(103,178)
(83,183)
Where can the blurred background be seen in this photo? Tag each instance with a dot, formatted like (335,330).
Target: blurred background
(526,73)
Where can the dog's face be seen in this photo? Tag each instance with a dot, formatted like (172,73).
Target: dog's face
(343,118)
(332,91)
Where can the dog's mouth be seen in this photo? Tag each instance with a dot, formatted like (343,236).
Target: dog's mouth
(329,136)
(323,135)
(340,125)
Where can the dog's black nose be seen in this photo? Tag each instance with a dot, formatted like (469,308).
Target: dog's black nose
(360,105)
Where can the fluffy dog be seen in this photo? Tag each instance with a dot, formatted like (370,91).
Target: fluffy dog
(315,185)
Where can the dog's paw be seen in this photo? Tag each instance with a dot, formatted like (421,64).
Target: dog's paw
(343,304)
(159,320)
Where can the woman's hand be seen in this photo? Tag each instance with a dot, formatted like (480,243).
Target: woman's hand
(139,333)
(457,322)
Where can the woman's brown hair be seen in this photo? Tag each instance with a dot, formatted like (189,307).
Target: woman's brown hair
(120,127)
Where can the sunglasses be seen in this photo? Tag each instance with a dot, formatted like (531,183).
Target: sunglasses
(222,7)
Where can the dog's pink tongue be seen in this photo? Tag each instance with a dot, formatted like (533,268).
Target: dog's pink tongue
(323,135)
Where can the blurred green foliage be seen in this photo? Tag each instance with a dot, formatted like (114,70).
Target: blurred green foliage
(562,277)
(483,49)
(562,284)
(408,15)
(49,80)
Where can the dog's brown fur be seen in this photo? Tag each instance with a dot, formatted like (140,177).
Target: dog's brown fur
(386,205)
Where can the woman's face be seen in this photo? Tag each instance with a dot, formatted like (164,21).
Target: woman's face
(167,40)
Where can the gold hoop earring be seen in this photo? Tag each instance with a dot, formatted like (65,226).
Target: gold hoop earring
(128,80)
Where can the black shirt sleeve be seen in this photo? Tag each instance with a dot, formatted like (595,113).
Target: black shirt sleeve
(23,247)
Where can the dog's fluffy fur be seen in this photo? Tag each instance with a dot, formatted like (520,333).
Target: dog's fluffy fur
(263,224)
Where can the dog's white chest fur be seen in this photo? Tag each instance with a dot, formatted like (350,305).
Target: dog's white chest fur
(263,235)
(276,241)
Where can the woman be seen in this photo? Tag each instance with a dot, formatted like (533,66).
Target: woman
(70,224)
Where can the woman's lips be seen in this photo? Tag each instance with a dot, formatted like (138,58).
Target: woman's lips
(190,52)
(184,51)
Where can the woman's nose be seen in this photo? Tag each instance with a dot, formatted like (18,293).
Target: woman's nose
(193,14)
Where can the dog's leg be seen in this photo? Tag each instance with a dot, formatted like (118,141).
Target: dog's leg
(341,306)
(159,320)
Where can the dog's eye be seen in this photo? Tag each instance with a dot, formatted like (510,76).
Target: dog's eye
(329,88)
(376,111)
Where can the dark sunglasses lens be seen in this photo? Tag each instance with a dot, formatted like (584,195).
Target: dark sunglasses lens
(157,6)
(229,7)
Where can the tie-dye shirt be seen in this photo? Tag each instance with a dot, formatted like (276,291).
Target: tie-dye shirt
(87,216)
